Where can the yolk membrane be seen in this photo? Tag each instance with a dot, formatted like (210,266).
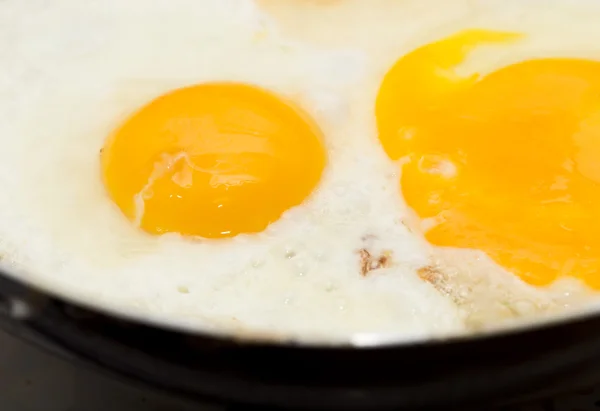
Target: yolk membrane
(212,160)
(507,163)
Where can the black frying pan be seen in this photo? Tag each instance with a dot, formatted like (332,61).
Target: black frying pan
(460,372)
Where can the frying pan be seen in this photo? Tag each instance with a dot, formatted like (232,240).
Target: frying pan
(492,369)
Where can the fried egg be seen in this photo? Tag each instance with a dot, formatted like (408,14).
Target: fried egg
(265,167)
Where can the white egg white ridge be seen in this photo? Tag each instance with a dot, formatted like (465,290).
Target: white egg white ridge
(63,92)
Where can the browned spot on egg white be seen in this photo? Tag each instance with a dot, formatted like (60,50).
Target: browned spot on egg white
(430,274)
(488,296)
(369,262)
(436,277)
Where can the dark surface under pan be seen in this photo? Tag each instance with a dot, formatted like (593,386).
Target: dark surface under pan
(482,371)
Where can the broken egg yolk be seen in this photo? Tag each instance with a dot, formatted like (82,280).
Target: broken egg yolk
(507,163)
(212,160)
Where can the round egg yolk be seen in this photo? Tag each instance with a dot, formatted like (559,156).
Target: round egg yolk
(212,160)
(507,163)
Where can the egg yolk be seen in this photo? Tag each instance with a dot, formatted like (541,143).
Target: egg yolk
(507,163)
(212,160)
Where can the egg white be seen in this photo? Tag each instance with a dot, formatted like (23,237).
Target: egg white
(71,71)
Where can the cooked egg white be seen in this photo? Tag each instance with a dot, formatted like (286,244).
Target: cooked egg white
(346,261)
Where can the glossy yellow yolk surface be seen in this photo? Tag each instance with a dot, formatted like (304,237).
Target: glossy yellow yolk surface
(212,160)
(507,163)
